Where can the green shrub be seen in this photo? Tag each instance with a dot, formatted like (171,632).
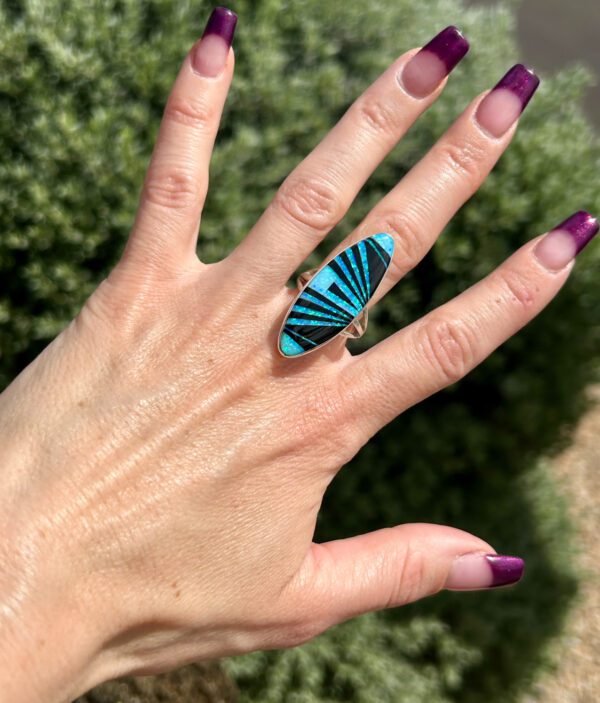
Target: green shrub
(82,88)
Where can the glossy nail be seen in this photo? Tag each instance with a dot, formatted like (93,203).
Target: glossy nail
(504,104)
(210,55)
(424,72)
(560,246)
(471,572)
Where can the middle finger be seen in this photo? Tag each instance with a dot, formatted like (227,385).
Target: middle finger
(316,195)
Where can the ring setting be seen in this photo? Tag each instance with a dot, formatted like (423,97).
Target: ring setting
(332,299)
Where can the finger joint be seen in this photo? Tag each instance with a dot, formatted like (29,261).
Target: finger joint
(518,289)
(172,188)
(190,111)
(378,116)
(310,203)
(464,159)
(408,242)
(450,348)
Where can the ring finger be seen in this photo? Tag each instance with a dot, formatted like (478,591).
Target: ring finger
(416,211)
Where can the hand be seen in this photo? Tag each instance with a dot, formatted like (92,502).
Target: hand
(163,464)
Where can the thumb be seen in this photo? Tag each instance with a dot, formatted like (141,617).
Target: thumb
(395,566)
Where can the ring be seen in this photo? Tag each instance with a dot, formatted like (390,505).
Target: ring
(332,300)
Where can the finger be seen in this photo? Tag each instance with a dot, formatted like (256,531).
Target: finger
(165,230)
(416,211)
(447,343)
(399,565)
(316,195)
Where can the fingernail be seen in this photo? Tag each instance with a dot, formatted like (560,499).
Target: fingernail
(210,55)
(502,106)
(560,246)
(471,572)
(423,73)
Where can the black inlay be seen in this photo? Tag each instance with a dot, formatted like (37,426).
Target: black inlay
(334,288)
(311,305)
(324,299)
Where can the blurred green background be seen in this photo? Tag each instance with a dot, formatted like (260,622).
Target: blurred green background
(82,88)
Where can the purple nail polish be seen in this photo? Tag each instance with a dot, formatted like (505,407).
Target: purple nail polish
(209,57)
(582,226)
(424,72)
(221,22)
(449,46)
(505,570)
(562,244)
(521,81)
(472,572)
(503,105)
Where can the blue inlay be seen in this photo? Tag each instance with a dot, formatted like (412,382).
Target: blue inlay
(336,295)
(363,259)
(386,241)
(288,346)
(355,269)
(316,313)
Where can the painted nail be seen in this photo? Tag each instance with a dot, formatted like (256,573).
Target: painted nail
(503,105)
(423,73)
(210,55)
(560,246)
(472,572)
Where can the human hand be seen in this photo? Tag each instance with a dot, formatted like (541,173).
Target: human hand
(164,465)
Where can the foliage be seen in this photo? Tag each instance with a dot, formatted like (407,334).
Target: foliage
(82,88)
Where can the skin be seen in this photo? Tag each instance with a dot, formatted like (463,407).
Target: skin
(163,465)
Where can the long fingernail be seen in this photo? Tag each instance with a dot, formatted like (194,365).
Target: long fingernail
(210,55)
(560,246)
(503,105)
(424,72)
(472,572)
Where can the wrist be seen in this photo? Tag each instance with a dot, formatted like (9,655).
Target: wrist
(48,660)
(50,645)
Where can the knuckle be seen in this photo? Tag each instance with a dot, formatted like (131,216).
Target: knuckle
(191,111)
(464,159)
(322,412)
(413,581)
(361,382)
(326,423)
(518,288)
(310,202)
(299,632)
(377,116)
(449,347)
(408,239)
(172,188)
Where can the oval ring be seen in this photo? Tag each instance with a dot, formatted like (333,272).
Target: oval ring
(333,300)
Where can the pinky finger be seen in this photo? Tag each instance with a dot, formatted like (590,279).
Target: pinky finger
(442,347)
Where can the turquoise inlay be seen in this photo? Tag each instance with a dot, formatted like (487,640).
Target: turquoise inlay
(288,346)
(376,250)
(345,269)
(307,294)
(316,313)
(315,323)
(363,257)
(332,298)
(323,280)
(343,304)
(349,293)
(386,241)
(357,273)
